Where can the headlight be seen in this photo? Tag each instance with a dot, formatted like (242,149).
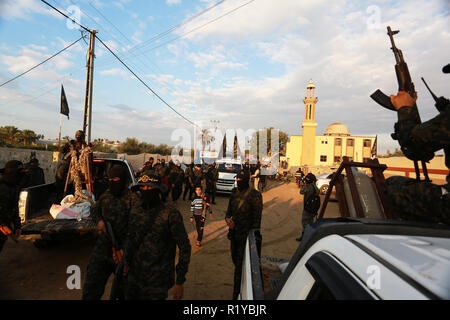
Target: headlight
(23,198)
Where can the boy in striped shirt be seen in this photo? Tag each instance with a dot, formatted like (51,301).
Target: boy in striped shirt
(199,206)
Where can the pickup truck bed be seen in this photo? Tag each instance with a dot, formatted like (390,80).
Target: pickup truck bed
(35,203)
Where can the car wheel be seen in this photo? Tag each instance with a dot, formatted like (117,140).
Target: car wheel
(324,189)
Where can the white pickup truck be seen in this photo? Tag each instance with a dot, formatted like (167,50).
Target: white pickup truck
(35,202)
(228,169)
(354,259)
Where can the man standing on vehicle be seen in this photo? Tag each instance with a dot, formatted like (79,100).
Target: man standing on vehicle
(421,201)
(150,249)
(309,191)
(116,206)
(9,196)
(243,214)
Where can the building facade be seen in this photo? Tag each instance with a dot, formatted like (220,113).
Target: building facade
(312,150)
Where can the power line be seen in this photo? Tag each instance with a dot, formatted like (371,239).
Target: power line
(162,34)
(196,28)
(65,15)
(112,52)
(143,82)
(23,73)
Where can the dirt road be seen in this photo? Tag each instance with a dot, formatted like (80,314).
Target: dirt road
(30,273)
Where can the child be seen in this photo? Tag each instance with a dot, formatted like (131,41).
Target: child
(199,206)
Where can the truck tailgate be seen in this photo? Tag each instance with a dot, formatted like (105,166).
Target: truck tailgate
(61,227)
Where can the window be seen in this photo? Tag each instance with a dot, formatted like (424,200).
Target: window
(350,142)
(333,280)
(323,158)
(337,159)
(337,141)
(367,143)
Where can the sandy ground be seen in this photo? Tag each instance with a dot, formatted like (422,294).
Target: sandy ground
(27,272)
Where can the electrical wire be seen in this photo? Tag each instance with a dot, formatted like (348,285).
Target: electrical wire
(143,82)
(32,68)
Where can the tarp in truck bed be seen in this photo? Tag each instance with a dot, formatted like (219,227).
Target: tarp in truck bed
(60,226)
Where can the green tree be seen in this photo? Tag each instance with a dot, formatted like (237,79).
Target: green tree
(9,133)
(130,146)
(282,140)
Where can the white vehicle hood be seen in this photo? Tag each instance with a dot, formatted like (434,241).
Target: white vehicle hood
(425,259)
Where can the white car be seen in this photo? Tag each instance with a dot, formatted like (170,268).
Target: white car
(323,181)
(228,169)
(358,259)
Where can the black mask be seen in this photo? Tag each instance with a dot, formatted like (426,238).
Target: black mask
(117,182)
(242,185)
(151,198)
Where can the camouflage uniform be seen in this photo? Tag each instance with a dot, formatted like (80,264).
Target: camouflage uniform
(118,211)
(212,175)
(9,212)
(187,182)
(245,208)
(308,191)
(176,178)
(422,201)
(150,253)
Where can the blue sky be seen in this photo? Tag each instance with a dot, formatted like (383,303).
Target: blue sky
(248,69)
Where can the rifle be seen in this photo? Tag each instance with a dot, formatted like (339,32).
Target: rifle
(441,102)
(118,273)
(404,84)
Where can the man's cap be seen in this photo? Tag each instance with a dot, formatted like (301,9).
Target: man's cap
(149,180)
(12,165)
(446,69)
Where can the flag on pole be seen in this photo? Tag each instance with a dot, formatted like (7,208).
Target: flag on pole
(64,104)
(374,148)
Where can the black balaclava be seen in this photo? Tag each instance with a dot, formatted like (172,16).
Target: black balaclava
(243,179)
(310,178)
(13,172)
(151,198)
(117,180)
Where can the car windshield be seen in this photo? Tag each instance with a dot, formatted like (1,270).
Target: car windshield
(229,167)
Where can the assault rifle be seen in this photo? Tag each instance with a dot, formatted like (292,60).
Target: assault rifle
(404,84)
(118,259)
(441,102)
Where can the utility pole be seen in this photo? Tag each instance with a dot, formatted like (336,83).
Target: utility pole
(87,115)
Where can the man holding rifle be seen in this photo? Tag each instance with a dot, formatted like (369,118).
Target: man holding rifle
(112,212)
(416,199)
(423,201)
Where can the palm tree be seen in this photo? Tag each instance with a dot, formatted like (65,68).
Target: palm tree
(10,133)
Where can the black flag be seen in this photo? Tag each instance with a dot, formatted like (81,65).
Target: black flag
(64,104)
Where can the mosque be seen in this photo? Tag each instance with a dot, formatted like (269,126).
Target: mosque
(312,150)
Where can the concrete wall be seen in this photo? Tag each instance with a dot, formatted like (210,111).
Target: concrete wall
(48,160)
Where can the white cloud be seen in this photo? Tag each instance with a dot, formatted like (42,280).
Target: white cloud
(22,9)
(171,2)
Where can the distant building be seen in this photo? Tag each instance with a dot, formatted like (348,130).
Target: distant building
(328,149)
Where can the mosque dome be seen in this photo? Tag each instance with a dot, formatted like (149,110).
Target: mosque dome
(337,129)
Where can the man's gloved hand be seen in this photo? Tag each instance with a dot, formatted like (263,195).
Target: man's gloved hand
(403,99)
